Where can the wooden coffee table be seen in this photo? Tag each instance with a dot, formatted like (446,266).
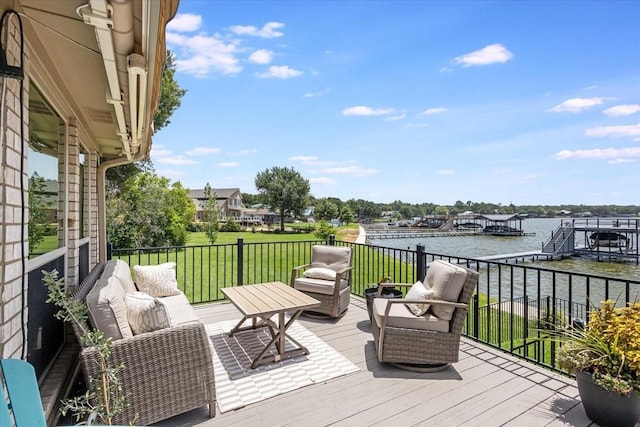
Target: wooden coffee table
(263,301)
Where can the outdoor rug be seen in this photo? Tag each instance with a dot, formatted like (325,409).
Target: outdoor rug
(238,385)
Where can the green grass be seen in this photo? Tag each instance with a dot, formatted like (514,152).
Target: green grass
(48,244)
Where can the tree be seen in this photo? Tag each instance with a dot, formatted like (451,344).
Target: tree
(325,210)
(37,211)
(284,190)
(147,212)
(346,216)
(210,214)
(170,94)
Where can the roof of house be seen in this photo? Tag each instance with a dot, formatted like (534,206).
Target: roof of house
(221,193)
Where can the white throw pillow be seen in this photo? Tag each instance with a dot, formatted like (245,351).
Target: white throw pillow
(157,280)
(446,280)
(320,273)
(419,291)
(146,313)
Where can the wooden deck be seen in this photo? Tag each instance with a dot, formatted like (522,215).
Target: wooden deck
(485,388)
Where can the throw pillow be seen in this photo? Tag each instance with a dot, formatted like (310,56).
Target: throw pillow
(320,273)
(157,280)
(446,281)
(418,291)
(146,313)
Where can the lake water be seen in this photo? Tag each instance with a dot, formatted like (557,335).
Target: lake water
(483,245)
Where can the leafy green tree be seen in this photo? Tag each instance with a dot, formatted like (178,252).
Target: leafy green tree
(231,226)
(147,212)
(323,230)
(170,94)
(346,216)
(37,211)
(284,190)
(325,210)
(210,214)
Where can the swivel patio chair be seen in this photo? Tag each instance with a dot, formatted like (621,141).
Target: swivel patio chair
(327,278)
(421,332)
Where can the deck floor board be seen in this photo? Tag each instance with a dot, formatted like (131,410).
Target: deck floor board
(486,387)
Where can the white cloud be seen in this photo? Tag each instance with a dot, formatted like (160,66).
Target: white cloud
(261,56)
(160,152)
(203,151)
(362,110)
(394,118)
(435,110)
(244,152)
(614,131)
(177,160)
(279,72)
(350,170)
(316,94)
(185,22)
(201,55)
(576,105)
(268,31)
(446,172)
(303,159)
(495,53)
(620,161)
(622,110)
(228,164)
(616,154)
(322,180)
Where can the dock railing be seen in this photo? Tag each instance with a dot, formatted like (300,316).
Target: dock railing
(513,305)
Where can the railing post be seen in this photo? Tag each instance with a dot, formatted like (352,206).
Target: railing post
(476,315)
(240,260)
(109,251)
(421,263)
(332,239)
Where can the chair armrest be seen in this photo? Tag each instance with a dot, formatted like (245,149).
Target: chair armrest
(343,270)
(295,271)
(427,301)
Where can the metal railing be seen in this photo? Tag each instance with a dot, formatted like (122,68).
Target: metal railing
(512,306)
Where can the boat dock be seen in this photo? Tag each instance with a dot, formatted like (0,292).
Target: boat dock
(605,239)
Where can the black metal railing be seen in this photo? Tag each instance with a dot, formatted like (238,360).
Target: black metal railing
(514,303)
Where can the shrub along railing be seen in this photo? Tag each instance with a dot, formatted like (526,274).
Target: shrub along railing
(513,305)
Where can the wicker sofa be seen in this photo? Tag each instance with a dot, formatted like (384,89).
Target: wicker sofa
(167,371)
(430,341)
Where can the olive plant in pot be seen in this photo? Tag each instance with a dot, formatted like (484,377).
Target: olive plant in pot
(605,356)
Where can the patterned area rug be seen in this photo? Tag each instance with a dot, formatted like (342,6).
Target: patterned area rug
(238,385)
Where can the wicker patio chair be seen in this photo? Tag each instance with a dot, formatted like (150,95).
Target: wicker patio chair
(327,278)
(429,342)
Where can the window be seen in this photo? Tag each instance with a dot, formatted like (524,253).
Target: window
(45,190)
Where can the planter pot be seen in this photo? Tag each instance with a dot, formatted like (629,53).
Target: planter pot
(607,408)
(370,294)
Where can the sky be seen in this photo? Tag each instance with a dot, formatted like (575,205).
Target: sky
(530,103)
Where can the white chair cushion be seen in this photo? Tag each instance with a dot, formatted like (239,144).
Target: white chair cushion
(333,257)
(318,286)
(122,271)
(419,291)
(146,313)
(400,317)
(107,311)
(157,280)
(320,273)
(180,310)
(446,281)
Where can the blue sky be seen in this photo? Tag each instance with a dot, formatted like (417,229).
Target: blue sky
(421,101)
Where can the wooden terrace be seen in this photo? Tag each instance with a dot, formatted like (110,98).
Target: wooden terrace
(485,388)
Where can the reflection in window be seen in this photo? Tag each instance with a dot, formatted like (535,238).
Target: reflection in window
(44,186)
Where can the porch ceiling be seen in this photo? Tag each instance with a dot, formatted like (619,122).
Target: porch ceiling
(71,55)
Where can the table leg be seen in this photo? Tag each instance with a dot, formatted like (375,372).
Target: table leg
(279,340)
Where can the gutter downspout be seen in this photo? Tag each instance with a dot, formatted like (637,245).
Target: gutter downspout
(102,209)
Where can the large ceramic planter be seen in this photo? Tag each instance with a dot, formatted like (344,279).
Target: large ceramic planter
(607,408)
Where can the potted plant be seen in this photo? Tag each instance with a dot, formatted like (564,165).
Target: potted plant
(605,356)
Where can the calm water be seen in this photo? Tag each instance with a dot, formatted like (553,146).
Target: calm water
(477,246)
